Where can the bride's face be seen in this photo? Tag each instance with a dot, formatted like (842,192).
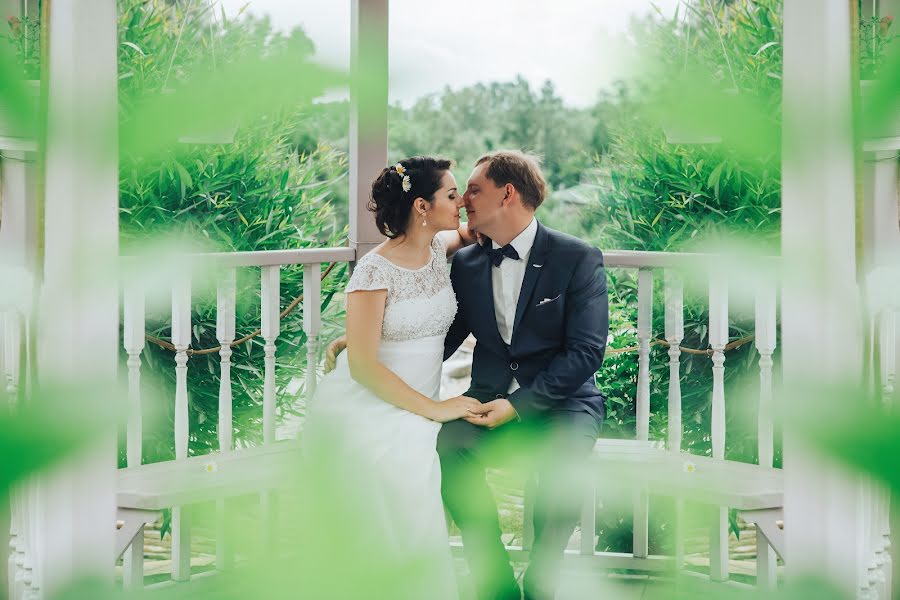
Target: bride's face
(443,213)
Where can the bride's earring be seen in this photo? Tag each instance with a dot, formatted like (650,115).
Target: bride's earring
(423,220)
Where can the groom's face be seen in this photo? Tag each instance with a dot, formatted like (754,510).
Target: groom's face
(483,200)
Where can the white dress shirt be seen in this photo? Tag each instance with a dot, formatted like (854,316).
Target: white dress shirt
(507,282)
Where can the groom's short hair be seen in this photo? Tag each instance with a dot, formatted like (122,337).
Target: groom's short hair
(520,169)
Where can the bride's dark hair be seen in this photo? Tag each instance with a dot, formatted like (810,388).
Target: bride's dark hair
(391,204)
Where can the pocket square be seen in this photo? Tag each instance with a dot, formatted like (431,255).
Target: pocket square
(548,300)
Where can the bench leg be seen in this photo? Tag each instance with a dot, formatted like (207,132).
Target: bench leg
(133,563)
(641,541)
(181,544)
(718,545)
(765,562)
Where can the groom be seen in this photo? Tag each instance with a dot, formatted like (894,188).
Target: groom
(535,300)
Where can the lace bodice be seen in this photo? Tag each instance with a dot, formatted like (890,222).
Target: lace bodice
(420,302)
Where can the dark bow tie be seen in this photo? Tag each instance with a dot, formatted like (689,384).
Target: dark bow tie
(498,254)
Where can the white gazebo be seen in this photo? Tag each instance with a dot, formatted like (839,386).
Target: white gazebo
(61,326)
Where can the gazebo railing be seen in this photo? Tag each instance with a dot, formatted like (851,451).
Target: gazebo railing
(671,269)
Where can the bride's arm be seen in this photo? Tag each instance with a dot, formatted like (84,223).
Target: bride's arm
(455,240)
(365,313)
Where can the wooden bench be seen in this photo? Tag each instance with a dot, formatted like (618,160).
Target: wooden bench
(142,492)
(647,468)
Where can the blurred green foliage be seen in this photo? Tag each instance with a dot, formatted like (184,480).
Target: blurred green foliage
(261,192)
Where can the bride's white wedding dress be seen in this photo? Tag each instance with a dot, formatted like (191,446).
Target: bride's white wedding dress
(374,465)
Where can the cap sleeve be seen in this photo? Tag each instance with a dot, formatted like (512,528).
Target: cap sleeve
(440,249)
(368,275)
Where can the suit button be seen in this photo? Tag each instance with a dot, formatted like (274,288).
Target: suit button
(513,366)
(498,396)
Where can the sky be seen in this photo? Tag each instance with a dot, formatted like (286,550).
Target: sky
(580,45)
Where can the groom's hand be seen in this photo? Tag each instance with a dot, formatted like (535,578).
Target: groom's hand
(331,353)
(493,414)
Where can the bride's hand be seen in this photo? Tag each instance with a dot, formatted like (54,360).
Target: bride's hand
(331,353)
(452,409)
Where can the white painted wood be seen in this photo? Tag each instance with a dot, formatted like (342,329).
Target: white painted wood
(674,298)
(368,115)
(225,332)
(818,241)
(19,176)
(528,512)
(641,520)
(674,295)
(718,338)
(271,325)
(78,341)
(766,562)
(682,261)
(881,233)
(312,322)
(765,340)
(589,521)
(257,258)
(644,332)
(133,563)
(181,339)
(134,346)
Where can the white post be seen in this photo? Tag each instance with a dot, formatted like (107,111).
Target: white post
(718,339)
(133,297)
(674,295)
(79,307)
(181,339)
(765,340)
(312,322)
(271,326)
(368,115)
(640,547)
(819,291)
(225,331)
(134,345)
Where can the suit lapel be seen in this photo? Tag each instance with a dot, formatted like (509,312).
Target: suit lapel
(532,271)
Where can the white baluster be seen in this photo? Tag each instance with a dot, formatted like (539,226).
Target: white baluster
(674,296)
(765,340)
(645,322)
(674,293)
(589,521)
(225,331)
(271,326)
(181,339)
(312,322)
(718,338)
(134,346)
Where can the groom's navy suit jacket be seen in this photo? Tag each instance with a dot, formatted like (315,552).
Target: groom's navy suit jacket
(559,333)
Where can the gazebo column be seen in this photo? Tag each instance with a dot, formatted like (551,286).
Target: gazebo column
(77,342)
(368,115)
(821,311)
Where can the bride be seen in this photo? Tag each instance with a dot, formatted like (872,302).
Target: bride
(375,523)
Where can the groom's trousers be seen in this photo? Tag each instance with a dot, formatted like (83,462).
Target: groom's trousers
(556,446)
